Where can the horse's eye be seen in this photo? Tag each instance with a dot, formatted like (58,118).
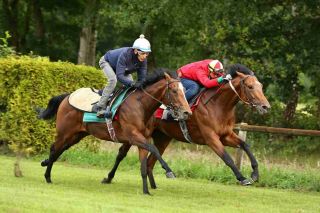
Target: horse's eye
(174,91)
(250,87)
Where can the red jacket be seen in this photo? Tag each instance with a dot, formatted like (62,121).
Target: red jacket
(199,71)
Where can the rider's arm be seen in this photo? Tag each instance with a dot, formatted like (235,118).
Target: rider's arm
(121,68)
(205,81)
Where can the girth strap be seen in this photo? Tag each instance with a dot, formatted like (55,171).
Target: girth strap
(111,131)
(184,130)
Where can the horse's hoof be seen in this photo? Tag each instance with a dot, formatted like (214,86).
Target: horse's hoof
(106,180)
(170,175)
(255,178)
(48,180)
(147,193)
(246,182)
(44,163)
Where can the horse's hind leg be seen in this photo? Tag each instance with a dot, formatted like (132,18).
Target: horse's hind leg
(61,144)
(161,141)
(55,151)
(123,150)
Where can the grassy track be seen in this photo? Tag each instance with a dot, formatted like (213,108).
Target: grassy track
(78,189)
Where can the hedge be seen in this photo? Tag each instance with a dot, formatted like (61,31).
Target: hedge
(27,83)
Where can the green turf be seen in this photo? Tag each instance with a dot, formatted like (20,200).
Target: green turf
(78,189)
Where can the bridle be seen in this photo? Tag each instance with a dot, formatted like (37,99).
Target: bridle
(244,87)
(167,94)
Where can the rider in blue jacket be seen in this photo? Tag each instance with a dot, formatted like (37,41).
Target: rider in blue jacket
(118,64)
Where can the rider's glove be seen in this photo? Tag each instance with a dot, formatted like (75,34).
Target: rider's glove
(227,77)
(138,85)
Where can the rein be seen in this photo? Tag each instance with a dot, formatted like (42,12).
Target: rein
(235,91)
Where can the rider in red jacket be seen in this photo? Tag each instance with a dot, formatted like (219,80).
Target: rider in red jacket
(207,73)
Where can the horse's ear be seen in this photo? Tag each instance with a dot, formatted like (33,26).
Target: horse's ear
(240,74)
(167,76)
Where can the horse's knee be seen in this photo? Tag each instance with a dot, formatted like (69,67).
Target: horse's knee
(45,162)
(244,145)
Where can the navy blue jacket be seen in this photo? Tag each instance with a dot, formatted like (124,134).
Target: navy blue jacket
(123,61)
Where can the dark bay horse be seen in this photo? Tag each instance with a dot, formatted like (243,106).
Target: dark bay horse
(130,128)
(211,123)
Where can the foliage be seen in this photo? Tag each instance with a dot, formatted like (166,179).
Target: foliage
(279,40)
(27,83)
(5,50)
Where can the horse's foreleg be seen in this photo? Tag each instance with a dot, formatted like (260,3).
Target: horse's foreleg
(229,162)
(123,150)
(161,141)
(215,144)
(234,140)
(254,163)
(142,142)
(143,169)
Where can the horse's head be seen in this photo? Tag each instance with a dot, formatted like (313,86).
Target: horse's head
(176,99)
(251,92)
(168,90)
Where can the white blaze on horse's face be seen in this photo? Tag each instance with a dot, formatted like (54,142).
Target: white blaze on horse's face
(182,90)
(258,83)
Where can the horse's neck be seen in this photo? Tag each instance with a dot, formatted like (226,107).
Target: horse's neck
(151,104)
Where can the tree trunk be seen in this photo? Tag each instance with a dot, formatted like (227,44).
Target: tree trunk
(291,104)
(17,171)
(148,32)
(88,35)
(10,9)
(87,49)
(38,18)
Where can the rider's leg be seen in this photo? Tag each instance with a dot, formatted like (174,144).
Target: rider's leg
(100,107)
(192,88)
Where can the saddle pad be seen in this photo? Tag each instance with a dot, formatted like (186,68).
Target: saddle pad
(84,98)
(92,117)
(118,101)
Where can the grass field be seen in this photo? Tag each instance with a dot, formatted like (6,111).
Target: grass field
(78,189)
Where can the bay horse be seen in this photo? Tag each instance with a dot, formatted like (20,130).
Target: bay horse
(130,128)
(211,123)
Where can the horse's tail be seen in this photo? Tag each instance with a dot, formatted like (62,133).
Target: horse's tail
(52,107)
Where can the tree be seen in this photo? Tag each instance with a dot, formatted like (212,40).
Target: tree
(88,35)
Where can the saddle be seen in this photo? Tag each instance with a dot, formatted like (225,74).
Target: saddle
(84,98)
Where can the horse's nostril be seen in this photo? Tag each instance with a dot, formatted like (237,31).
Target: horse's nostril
(265,107)
(187,114)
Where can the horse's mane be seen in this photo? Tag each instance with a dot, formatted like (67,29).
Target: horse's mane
(158,74)
(233,69)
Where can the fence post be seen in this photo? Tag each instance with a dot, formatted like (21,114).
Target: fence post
(239,152)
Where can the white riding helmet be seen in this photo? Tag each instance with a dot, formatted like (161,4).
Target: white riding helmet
(215,65)
(142,44)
